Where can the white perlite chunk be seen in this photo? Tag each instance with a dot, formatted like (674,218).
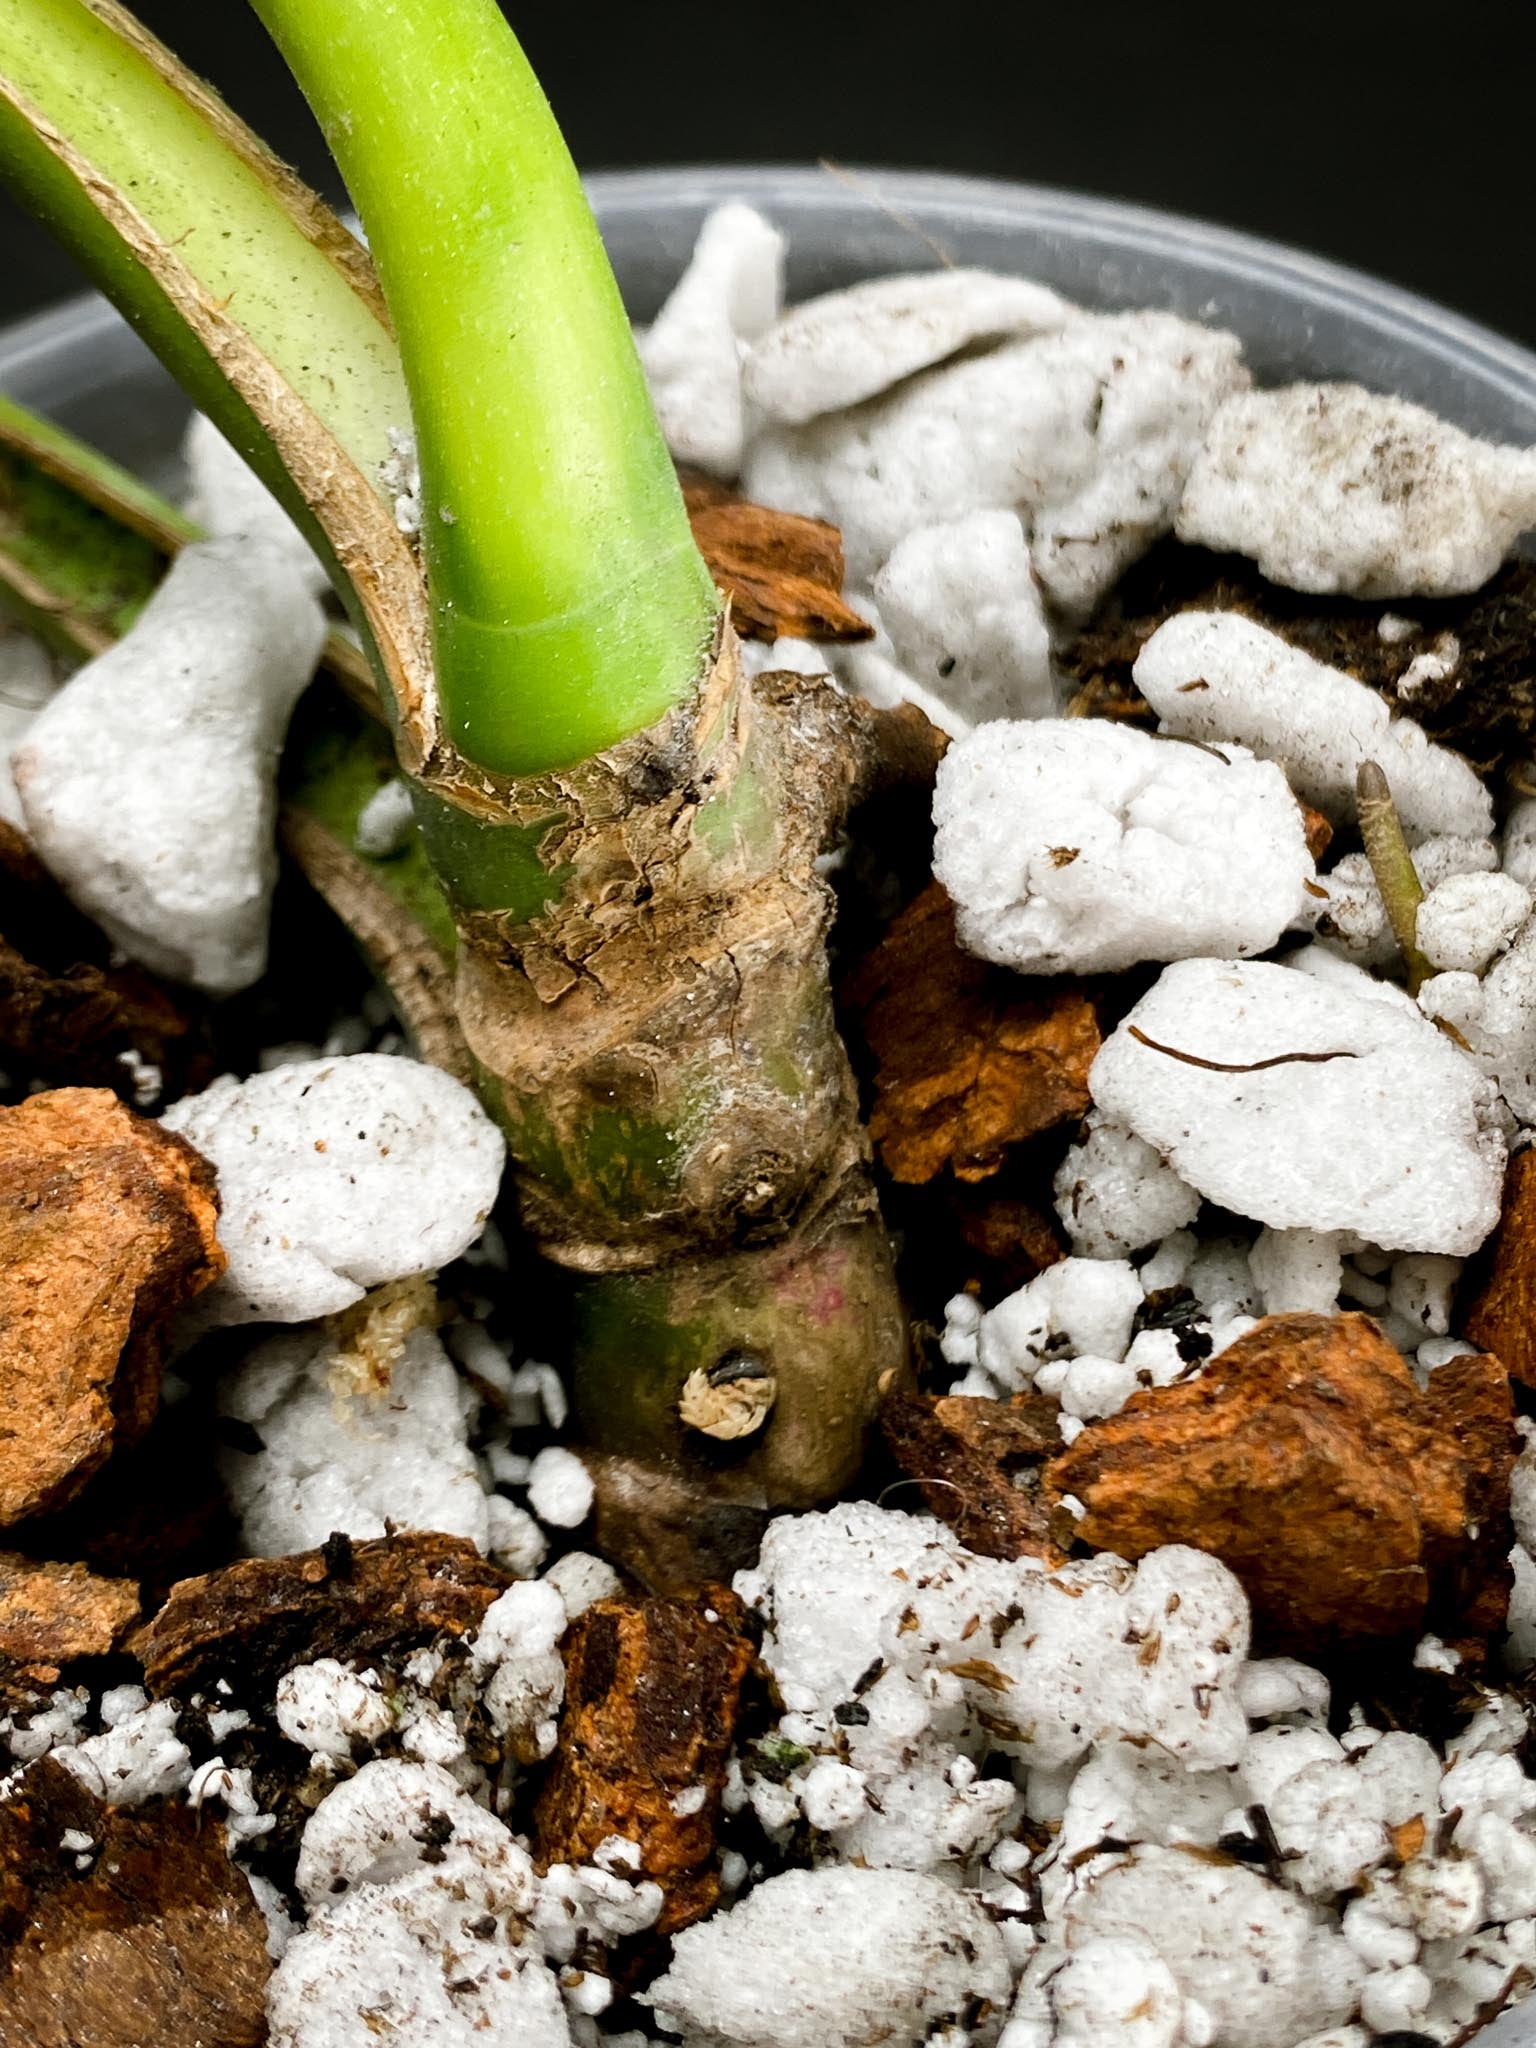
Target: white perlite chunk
(1118,1988)
(847,346)
(1077,846)
(869,669)
(1219,676)
(1421,1290)
(336,1176)
(518,1664)
(580,1579)
(965,618)
(420,1904)
(1466,919)
(225,495)
(1256,1959)
(149,782)
(1393,1135)
(1078,1305)
(1297,1271)
(727,296)
(386,822)
(513,1537)
(835,1958)
(1517,844)
(1433,665)
(1281,1685)
(1329,487)
(839,1591)
(1087,434)
(560,1489)
(138,1756)
(336,1455)
(394,1817)
(1522,1486)
(26,684)
(405,1964)
(1114,1194)
(1496,1017)
(325,1708)
(1354,919)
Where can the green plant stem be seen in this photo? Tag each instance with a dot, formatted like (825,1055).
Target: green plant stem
(570,605)
(244,284)
(82,547)
(627,830)
(1392,864)
(93,476)
(97,574)
(95,121)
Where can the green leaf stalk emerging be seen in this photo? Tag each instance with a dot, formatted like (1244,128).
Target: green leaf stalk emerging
(570,605)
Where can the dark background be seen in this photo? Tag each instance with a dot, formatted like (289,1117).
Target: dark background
(1405,146)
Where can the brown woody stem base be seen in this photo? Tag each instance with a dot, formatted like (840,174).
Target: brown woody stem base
(643,986)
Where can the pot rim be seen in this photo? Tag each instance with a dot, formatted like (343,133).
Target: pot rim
(635,195)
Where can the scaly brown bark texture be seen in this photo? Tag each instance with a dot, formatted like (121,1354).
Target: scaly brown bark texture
(647,999)
(252,1621)
(1501,1315)
(971,1060)
(51,1614)
(652,1692)
(660,1029)
(159,1938)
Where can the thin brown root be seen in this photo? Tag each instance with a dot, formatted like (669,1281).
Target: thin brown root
(400,951)
(1279,1059)
(866,190)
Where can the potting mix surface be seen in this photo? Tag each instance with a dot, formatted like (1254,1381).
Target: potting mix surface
(1168,1681)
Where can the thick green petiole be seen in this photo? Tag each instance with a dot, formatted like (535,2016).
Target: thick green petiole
(245,285)
(570,605)
(93,476)
(83,542)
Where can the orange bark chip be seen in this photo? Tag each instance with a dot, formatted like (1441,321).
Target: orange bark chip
(107,1225)
(970,1059)
(783,573)
(652,1692)
(1349,1504)
(1501,1317)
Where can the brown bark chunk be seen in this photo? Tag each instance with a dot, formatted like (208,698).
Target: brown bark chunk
(155,1513)
(66,1014)
(1318,830)
(106,1226)
(1501,1316)
(159,1941)
(652,1692)
(50,1614)
(970,1060)
(782,573)
(977,1464)
(1304,1457)
(364,1602)
(1006,1233)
